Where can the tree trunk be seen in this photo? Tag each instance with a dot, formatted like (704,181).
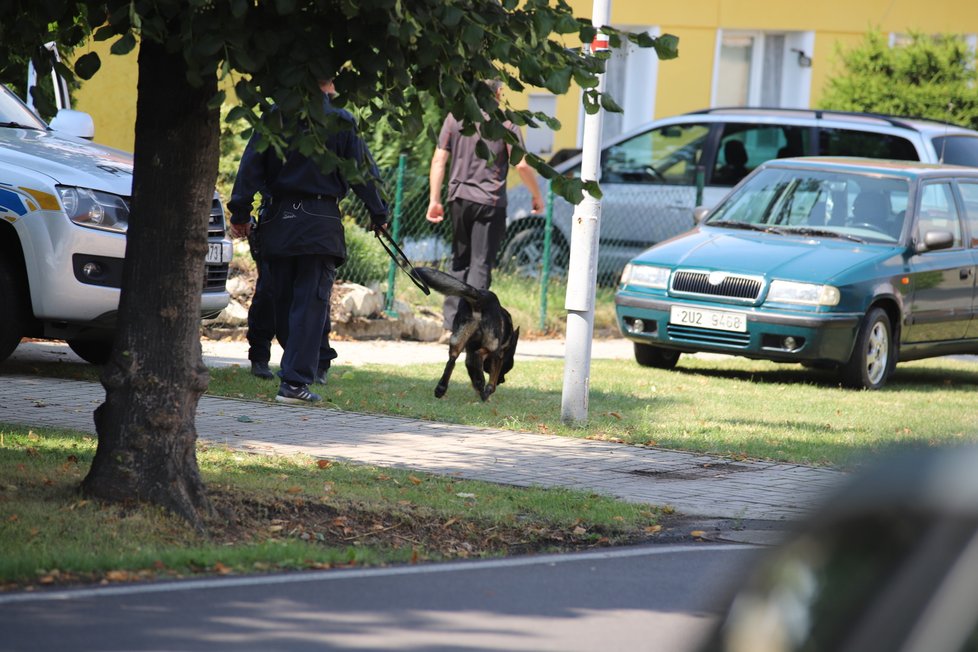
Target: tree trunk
(154,380)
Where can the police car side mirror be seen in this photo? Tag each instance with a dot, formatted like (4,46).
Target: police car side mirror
(699,214)
(73,123)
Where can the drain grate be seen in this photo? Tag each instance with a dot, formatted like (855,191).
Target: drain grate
(696,472)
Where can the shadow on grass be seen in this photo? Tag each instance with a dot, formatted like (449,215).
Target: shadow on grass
(935,377)
(51,369)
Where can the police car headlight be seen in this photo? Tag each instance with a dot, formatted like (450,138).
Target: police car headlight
(811,294)
(95,209)
(646,275)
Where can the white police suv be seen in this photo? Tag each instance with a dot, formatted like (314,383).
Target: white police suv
(64,209)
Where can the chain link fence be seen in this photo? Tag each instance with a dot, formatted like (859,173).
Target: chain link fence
(633,217)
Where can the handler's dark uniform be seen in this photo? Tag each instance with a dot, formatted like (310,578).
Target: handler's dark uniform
(302,241)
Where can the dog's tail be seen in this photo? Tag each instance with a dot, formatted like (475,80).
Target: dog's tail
(448,284)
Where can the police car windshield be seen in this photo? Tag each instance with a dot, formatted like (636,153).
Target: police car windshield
(14,113)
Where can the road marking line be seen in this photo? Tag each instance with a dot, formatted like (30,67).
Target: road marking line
(343,574)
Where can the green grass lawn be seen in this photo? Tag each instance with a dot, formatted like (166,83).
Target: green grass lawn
(724,406)
(277,513)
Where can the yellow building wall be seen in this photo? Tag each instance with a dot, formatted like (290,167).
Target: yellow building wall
(684,84)
(110,96)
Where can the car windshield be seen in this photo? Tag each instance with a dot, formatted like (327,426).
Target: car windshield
(13,112)
(835,204)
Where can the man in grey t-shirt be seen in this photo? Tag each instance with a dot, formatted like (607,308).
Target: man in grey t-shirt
(476,200)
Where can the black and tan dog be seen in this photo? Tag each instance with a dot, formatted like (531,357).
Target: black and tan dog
(482,328)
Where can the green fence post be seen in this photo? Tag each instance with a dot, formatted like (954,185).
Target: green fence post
(395,231)
(545,272)
(700,175)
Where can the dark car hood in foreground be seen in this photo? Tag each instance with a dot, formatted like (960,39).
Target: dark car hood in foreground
(797,258)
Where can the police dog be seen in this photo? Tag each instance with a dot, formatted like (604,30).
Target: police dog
(482,328)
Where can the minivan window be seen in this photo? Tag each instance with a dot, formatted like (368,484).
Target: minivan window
(848,142)
(744,146)
(957,150)
(666,155)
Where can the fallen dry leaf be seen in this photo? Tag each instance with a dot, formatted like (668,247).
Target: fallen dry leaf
(324,464)
(294,490)
(415,480)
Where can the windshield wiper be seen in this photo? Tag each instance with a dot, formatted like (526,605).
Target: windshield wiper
(748,226)
(827,233)
(17,125)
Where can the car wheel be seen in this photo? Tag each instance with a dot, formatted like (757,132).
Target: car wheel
(523,253)
(92,351)
(13,307)
(873,355)
(654,356)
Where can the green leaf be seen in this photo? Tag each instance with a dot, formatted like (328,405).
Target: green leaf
(559,81)
(482,150)
(608,104)
(239,8)
(451,15)
(593,189)
(87,65)
(667,47)
(104,33)
(124,45)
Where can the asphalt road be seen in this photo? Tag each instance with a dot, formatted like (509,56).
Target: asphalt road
(659,598)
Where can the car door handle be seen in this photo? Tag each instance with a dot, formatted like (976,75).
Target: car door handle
(964,272)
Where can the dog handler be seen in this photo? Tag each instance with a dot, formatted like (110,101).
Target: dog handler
(302,240)
(476,199)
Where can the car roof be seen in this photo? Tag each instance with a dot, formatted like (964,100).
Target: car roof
(873,166)
(923,125)
(796,117)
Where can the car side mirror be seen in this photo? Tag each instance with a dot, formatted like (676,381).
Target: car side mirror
(936,240)
(699,214)
(74,123)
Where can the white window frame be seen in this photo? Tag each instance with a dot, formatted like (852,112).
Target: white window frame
(796,75)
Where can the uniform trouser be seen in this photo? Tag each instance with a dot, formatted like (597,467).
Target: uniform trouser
(261,323)
(261,316)
(478,232)
(302,286)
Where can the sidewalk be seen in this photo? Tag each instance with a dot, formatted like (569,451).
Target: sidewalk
(694,485)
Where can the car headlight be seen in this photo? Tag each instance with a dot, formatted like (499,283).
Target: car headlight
(647,275)
(95,209)
(812,294)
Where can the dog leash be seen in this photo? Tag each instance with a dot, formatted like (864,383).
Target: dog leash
(387,242)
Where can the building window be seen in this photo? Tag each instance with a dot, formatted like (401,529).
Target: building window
(763,69)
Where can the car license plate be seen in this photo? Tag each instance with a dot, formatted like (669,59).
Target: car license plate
(714,319)
(215,252)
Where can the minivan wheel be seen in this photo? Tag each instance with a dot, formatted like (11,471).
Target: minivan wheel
(523,253)
(13,307)
(92,351)
(873,356)
(654,356)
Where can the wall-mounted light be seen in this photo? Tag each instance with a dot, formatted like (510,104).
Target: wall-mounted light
(804,61)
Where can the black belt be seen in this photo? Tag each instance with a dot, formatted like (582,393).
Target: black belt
(294,198)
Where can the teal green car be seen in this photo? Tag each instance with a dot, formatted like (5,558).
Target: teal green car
(851,264)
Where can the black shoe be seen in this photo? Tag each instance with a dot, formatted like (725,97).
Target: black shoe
(321,376)
(296,394)
(261,370)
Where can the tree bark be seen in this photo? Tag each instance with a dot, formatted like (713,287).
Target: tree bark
(154,380)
